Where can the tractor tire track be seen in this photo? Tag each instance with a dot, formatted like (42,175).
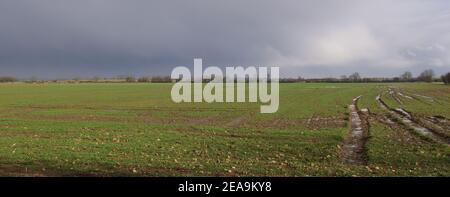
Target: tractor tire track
(407,120)
(353,150)
(393,94)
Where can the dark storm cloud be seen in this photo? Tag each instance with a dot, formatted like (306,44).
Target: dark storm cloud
(62,38)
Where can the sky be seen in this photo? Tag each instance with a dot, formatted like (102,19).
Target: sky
(84,38)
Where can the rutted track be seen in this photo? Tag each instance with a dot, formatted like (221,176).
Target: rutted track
(393,94)
(407,120)
(353,151)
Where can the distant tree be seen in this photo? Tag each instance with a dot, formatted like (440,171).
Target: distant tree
(97,78)
(7,79)
(130,79)
(33,79)
(426,75)
(161,79)
(446,78)
(144,79)
(354,77)
(407,76)
(121,77)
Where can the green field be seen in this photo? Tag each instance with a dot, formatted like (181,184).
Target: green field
(134,129)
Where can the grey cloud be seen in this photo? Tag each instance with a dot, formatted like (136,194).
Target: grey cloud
(67,38)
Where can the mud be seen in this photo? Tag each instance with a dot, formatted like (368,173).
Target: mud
(353,150)
(407,120)
(393,94)
(404,96)
(426,97)
(236,122)
(317,122)
(440,128)
(399,134)
(439,120)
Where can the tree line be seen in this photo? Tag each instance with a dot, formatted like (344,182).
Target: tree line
(425,76)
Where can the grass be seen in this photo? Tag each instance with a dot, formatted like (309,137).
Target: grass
(121,129)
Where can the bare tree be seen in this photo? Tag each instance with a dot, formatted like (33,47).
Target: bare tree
(407,76)
(354,77)
(97,78)
(144,79)
(426,75)
(446,78)
(130,79)
(161,79)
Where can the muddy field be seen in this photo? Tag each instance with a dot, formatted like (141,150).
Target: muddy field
(400,129)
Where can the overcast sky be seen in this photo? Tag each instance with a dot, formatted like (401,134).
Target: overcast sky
(84,38)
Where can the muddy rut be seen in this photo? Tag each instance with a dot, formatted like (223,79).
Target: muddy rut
(404,117)
(434,128)
(353,150)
